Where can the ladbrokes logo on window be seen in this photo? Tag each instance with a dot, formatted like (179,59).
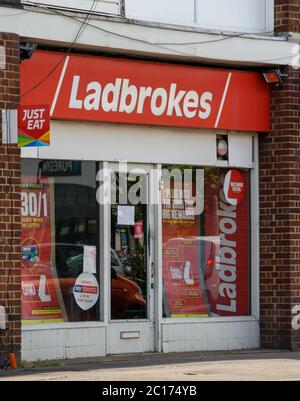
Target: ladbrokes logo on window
(206,250)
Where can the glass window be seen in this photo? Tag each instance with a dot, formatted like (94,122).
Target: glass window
(129,250)
(206,234)
(59,242)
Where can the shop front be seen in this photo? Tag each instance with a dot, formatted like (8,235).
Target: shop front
(140,220)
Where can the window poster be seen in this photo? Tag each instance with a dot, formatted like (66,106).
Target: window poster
(184,294)
(228,274)
(206,258)
(41,294)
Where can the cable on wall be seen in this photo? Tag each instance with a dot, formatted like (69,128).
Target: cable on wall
(78,35)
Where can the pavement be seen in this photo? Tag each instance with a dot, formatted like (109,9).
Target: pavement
(197,366)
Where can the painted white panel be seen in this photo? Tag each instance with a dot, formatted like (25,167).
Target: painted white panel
(177,336)
(231,15)
(102,6)
(241,148)
(9,126)
(255,225)
(145,342)
(63,342)
(210,336)
(85,141)
(242,50)
(170,11)
(3,318)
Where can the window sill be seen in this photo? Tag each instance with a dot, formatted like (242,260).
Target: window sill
(233,319)
(64,326)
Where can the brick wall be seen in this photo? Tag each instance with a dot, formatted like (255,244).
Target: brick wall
(280,203)
(287,15)
(10,204)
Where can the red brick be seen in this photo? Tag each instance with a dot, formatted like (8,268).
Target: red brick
(10,225)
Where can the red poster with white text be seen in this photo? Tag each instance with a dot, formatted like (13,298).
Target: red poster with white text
(33,126)
(227,274)
(183,281)
(40,287)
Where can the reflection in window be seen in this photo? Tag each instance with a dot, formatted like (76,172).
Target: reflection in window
(128,257)
(59,242)
(206,254)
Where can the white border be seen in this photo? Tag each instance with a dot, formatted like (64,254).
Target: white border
(228,80)
(158,285)
(60,82)
(2,58)
(255,256)
(270,15)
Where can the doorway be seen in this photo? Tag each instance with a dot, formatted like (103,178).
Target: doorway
(131,295)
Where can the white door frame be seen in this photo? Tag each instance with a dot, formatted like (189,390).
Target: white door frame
(146,329)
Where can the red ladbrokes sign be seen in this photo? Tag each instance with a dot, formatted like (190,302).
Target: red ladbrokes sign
(101,89)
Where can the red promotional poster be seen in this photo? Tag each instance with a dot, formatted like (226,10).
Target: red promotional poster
(206,257)
(33,126)
(139,229)
(234,187)
(183,279)
(227,274)
(41,297)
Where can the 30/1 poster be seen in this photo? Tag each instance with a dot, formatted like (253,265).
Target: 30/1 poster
(41,295)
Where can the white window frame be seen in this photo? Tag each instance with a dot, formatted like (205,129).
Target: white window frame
(270,15)
(267,20)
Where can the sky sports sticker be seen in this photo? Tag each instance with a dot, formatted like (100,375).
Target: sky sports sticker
(86,291)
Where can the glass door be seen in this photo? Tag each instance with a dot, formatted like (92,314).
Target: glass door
(131,261)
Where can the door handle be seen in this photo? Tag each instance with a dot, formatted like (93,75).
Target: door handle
(149,243)
(152,269)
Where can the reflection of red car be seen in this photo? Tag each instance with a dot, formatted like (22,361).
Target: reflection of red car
(127,301)
(207,251)
(44,293)
(211,272)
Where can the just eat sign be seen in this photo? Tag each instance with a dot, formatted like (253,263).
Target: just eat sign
(33,126)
